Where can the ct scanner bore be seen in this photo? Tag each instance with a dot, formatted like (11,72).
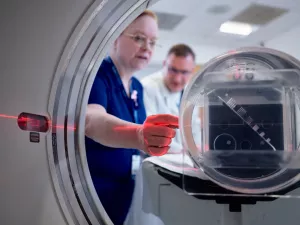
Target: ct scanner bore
(50,52)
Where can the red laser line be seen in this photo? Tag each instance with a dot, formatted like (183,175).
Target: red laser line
(24,119)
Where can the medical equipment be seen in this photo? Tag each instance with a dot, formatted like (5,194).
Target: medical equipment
(249,103)
(160,199)
(248,155)
(50,52)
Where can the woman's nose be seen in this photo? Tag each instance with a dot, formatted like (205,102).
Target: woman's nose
(146,47)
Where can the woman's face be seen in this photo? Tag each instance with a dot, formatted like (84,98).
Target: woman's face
(135,45)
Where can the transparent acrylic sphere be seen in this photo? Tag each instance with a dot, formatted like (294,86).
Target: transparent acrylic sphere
(248,102)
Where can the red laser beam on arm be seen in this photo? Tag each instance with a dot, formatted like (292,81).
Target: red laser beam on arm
(173,126)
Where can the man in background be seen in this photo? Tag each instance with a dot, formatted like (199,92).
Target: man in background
(163,89)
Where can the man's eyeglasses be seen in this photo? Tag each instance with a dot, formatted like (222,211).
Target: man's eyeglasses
(173,70)
(141,40)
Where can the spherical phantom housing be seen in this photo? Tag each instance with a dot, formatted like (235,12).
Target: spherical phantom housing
(248,102)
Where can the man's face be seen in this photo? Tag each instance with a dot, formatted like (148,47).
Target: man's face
(177,71)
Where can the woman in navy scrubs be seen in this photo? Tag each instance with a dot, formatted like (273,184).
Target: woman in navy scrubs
(116,125)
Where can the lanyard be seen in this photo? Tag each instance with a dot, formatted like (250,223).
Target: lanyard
(133,100)
(178,105)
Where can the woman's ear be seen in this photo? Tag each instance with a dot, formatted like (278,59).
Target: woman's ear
(115,44)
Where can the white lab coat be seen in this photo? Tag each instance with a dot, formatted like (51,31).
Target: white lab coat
(159,100)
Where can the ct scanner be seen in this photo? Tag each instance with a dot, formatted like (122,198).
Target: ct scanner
(50,52)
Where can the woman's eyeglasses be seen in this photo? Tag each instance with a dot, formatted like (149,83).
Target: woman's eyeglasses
(142,40)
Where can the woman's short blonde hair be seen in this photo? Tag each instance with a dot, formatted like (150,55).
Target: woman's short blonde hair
(149,13)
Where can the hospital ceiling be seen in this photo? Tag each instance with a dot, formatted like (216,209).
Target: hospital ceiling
(197,23)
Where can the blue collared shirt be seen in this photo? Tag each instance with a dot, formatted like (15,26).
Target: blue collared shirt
(110,168)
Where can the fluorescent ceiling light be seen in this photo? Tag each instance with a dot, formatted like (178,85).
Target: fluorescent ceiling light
(237,28)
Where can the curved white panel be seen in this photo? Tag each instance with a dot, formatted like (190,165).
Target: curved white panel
(50,52)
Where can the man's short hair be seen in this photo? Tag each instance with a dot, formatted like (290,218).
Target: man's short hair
(182,50)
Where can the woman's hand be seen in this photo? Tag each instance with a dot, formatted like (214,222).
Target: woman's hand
(155,135)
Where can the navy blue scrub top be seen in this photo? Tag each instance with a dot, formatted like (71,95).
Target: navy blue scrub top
(110,168)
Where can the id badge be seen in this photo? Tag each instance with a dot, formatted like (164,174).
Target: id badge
(136,163)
